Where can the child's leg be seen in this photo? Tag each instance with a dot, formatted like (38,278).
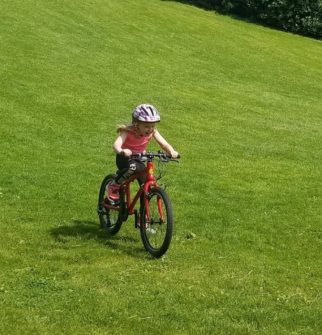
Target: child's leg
(140,167)
(127,168)
(123,165)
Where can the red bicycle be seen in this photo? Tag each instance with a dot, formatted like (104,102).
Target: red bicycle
(155,216)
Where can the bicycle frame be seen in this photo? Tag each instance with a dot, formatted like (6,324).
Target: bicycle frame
(144,189)
(150,181)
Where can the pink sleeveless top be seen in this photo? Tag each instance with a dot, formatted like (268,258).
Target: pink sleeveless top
(136,144)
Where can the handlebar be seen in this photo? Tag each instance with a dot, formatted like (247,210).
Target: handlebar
(151,155)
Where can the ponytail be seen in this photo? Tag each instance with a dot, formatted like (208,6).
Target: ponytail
(124,127)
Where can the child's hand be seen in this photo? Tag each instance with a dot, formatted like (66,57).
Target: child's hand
(126,152)
(174,154)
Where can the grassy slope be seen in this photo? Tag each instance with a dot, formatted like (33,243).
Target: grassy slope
(242,104)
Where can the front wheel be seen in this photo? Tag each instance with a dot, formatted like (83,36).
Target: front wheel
(156,224)
(110,214)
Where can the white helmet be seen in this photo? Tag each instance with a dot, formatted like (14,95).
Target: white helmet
(146,113)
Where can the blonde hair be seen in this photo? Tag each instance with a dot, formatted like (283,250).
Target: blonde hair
(125,127)
(129,127)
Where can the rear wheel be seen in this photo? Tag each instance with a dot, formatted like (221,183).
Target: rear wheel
(156,224)
(109,213)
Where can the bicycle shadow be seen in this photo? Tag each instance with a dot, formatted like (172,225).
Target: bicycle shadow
(90,230)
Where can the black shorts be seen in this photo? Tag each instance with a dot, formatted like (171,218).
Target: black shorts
(123,164)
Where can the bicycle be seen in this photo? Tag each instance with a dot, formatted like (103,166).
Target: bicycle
(155,216)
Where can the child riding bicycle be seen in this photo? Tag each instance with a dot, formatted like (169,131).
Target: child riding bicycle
(134,139)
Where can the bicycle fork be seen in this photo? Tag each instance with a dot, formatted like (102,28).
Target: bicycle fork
(147,211)
(151,181)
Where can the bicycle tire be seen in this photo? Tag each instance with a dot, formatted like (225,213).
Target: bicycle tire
(156,231)
(110,219)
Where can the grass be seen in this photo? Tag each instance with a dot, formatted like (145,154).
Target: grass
(240,102)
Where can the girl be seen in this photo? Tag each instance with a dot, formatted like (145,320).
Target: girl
(134,139)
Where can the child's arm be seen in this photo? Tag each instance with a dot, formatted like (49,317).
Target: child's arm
(164,144)
(117,146)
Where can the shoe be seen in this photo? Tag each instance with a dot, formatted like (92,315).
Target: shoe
(151,230)
(113,192)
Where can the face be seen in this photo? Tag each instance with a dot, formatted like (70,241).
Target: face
(145,128)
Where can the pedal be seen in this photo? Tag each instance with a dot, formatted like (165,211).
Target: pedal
(136,219)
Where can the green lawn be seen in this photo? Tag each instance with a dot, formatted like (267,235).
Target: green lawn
(240,102)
